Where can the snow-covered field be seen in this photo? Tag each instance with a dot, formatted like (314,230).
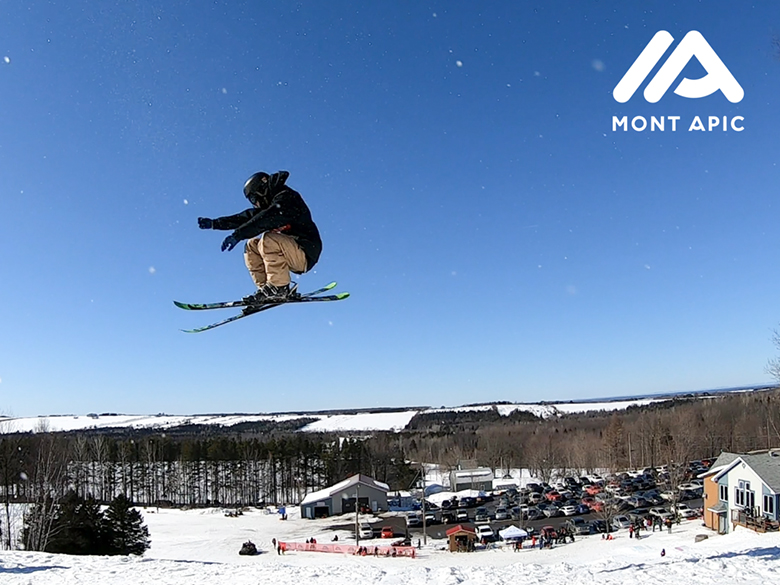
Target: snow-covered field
(331,422)
(201,546)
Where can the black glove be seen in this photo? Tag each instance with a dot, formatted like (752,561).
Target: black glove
(230,242)
(205,223)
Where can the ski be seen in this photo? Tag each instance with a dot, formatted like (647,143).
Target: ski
(249,310)
(232,304)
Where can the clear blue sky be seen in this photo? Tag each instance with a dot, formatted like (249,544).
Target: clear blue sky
(499,240)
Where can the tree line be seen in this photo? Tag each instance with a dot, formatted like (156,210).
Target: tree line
(240,468)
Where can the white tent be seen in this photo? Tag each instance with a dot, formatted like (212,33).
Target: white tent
(512,533)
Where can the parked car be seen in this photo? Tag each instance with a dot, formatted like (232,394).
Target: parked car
(485,533)
(502,514)
(577,526)
(686,511)
(661,513)
(599,526)
(413,519)
(621,521)
(535,514)
(462,516)
(569,510)
(535,498)
(691,494)
(431,518)
(638,514)
(365,531)
(386,532)
(636,502)
(581,509)
(481,515)
(553,496)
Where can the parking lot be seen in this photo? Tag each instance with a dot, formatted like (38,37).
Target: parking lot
(634,496)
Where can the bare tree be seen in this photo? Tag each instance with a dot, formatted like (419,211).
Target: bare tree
(48,479)
(545,457)
(615,444)
(609,510)
(10,475)
(773,367)
(677,447)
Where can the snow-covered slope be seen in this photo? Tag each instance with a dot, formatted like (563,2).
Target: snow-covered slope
(201,546)
(327,422)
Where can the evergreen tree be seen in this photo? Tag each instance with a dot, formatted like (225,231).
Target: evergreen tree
(78,527)
(125,531)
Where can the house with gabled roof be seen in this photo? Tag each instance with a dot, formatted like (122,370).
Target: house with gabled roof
(743,489)
(345,496)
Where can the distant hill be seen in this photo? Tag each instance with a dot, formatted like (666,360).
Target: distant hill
(348,420)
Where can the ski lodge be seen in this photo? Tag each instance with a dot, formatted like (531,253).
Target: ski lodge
(342,498)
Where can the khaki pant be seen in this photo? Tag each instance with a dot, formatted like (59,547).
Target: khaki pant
(271,257)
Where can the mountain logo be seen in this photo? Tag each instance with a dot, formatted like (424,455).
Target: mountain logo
(693,44)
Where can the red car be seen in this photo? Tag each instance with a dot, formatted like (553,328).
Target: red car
(387,532)
(596,506)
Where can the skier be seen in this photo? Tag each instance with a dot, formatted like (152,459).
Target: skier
(281,236)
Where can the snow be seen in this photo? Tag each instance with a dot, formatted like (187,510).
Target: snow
(201,546)
(349,422)
(365,421)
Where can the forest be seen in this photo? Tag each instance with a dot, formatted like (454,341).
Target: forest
(273,465)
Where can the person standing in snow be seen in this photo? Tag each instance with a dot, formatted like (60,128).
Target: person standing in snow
(281,235)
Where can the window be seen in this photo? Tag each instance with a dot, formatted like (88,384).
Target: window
(769,505)
(743,496)
(724,493)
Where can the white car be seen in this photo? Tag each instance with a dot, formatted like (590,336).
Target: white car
(566,511)
(621,521)
(365,531)
(485,531)
(661,513)
(535,498)
(686,511)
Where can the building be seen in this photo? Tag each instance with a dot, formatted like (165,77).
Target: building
(743,489)
(480,479)
(341,498)
(461,538)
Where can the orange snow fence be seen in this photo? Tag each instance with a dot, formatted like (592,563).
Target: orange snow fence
(351,549)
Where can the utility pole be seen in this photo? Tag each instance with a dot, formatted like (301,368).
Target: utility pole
(425,524)
(357,512)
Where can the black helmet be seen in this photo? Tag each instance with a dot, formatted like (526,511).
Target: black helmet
(263,186)
(256,186)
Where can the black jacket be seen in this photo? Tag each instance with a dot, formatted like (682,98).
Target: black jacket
(287,214)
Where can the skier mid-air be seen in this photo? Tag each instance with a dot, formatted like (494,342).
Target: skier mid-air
(281,235)
(281,238)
